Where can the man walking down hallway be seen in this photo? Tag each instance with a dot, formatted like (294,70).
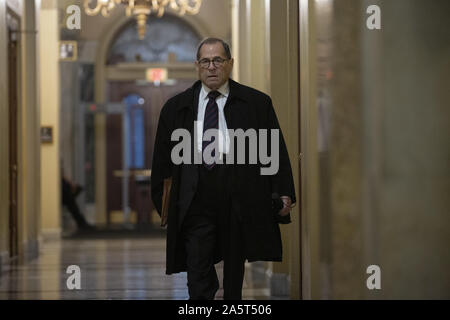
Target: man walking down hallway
(219,211)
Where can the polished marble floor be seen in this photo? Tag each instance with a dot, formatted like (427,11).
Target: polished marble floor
(114,268)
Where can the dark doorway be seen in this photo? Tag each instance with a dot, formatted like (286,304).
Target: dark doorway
(142,104)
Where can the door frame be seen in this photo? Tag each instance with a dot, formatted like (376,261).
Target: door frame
(13,36)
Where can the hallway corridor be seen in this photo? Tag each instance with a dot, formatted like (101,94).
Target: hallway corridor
(342,105)
(110,269)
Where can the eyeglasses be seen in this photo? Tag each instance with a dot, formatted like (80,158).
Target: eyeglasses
(217,62)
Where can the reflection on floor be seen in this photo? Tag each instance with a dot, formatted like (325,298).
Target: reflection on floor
(111,268)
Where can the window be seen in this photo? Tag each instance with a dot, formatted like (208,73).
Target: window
(135,132)
(165,36)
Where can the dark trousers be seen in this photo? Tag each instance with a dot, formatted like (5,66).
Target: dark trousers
(210,232)
(69,201)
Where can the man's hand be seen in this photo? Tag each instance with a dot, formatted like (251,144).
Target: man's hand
(287,206)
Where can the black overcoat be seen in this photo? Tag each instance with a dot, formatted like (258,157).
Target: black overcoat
(248,192)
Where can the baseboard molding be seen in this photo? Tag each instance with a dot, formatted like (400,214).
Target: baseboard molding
(280,285)
(4,262)
(51,234)
(30,250)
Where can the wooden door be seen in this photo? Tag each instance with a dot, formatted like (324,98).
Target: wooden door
(154,98)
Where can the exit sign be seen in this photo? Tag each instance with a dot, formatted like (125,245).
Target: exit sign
(157,75)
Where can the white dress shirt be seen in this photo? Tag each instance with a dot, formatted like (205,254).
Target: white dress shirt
(223,129)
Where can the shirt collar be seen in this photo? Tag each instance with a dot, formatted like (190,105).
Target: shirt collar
(224,90)
(237,91)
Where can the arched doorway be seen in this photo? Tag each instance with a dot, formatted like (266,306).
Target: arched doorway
(170,45)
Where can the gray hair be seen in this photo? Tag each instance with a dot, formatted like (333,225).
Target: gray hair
(225,45)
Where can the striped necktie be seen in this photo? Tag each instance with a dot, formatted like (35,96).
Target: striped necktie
(211,121)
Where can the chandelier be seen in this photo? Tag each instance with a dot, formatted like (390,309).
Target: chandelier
(141,9)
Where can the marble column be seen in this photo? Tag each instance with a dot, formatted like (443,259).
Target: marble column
(383,132)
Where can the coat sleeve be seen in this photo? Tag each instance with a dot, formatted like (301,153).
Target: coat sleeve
(282,182)
(162,164)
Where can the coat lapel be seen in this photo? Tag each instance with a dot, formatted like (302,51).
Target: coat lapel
(187,108)
(187,113)
(235,109)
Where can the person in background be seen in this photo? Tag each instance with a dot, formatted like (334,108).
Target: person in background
(70,191)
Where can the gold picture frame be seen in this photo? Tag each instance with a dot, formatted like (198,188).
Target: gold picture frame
(68,51)
(47,134)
